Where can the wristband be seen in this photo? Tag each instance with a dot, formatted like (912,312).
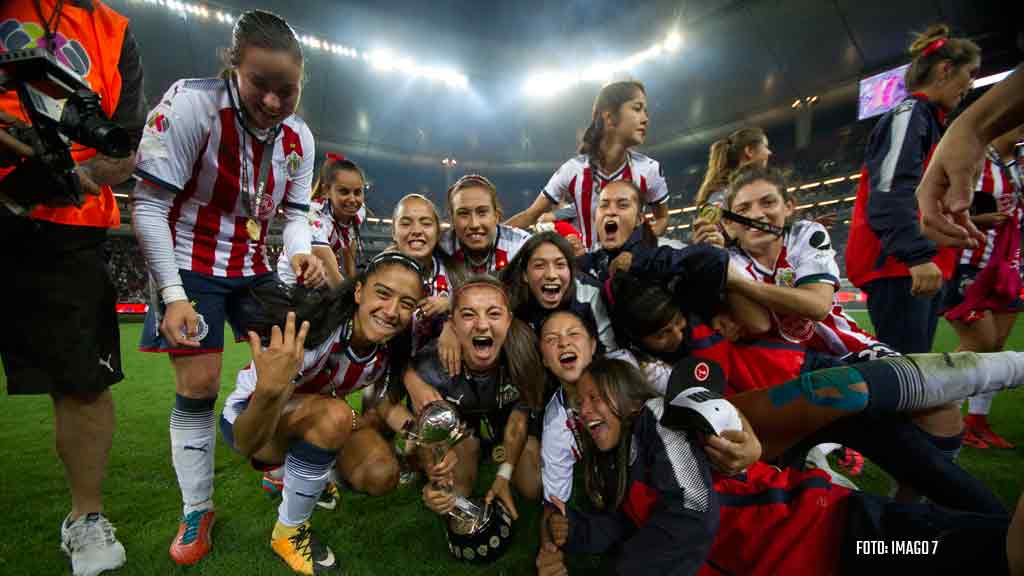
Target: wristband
(173,293)
(505,470)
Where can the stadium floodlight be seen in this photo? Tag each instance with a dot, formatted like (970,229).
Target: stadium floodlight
(673,41)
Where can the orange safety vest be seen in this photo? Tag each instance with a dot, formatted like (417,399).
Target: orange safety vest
(88,42)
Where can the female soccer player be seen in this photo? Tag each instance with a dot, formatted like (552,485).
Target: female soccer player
(619,122)
(501,385)
(352,337)
(477,240)
(217,158)
(337,212)
(887,256)
(542,279)
(416,232)
(654,509)
(726,156)
(983,298)
(796,275)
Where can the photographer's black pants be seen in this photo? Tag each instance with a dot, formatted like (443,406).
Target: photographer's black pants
(59,331)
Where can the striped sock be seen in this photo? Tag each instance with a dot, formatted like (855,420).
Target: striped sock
(306,469)
(920,381)
(193,439)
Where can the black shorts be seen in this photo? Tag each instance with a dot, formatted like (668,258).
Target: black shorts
(60,333)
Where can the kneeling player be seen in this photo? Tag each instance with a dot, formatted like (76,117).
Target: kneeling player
(501,384)
(289,405)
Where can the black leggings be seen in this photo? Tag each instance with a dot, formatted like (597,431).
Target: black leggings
(909,455)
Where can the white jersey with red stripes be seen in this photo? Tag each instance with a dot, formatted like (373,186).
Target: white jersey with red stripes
(807,257)
(507,243)
(326,231)
(195,147)
(577,181)
(424,330)
(1004,182)
(331,369)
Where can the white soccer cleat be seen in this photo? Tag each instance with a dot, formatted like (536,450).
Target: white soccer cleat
(816,458)
(91,545)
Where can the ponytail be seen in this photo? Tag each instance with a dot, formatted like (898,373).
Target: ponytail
(609,99)
(724,157)
(933,46)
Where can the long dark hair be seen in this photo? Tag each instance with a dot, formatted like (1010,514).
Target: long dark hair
(724,158)
(261,29)
(610,99)
(268,304)
(520,357)
(639,308)
(519,294)
(623,388)
(930,48)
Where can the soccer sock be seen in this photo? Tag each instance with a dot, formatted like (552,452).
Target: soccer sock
(920,381)
(980,404)
(306,469)
(193,439)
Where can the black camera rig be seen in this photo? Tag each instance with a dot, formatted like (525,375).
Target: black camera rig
(61,109)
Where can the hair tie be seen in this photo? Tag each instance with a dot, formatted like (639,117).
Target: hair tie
(935,45)
(335,156)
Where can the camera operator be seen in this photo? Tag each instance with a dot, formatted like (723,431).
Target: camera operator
(61,334)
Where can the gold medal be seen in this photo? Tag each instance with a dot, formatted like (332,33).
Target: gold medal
(254,228)
(710,213)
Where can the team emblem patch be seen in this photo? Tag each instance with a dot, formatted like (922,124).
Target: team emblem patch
(294,161)
(701,372)
(786,277)
(159,122)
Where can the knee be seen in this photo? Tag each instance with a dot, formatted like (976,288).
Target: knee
(199,380)
(333,425)
(380,476)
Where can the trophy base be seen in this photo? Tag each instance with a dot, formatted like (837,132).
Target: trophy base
(469,517)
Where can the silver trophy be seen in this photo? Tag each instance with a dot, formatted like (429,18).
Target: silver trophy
(439,429)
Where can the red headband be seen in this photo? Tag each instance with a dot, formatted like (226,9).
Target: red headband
(335,157)
(929,49)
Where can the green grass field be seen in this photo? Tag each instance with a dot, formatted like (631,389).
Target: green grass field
(388,535)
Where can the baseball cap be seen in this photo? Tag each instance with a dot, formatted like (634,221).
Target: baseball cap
(693,398)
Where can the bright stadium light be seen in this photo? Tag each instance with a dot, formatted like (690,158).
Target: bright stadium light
(381,59)
(992,79)
(673,41)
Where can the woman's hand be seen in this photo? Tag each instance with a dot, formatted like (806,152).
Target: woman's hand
(705,232)
(448,350)
(734,451)
(500,489)
(437,499)
(434,305)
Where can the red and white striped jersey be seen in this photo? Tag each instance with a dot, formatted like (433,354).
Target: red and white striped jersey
(326,231)
(507,243)
(577,181)
(807,257)
(1005,183)
(332,368)
(195,147)
(424,330)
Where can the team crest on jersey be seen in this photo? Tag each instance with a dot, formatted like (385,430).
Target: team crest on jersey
(786,277)
(294,162)
(508,394)
(159,122)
